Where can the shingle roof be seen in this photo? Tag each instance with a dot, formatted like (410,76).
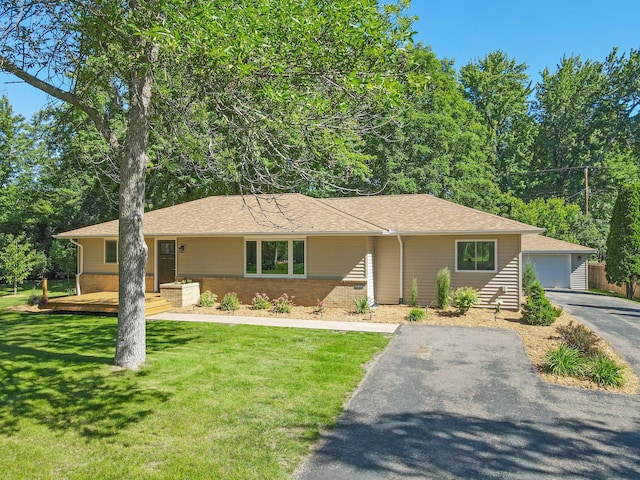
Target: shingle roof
(426,214)
(542,244)
(298,214)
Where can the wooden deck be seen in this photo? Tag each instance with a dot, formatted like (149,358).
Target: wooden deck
(105,302)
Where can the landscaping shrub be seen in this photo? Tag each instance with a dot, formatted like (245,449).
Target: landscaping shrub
(529,278)
(261,302)
(230,302)
(414,292)
(464,298)
(416,314)
(605,371)
(43,302)
(566,360)
(538,309)
(443,284)
(34,300)
(361,304)
(208,299)
(579,337)
(283,304)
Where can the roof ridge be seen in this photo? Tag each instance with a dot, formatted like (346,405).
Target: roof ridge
(347,214)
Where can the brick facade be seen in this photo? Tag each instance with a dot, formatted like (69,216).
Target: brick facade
(307,292)
(92,283)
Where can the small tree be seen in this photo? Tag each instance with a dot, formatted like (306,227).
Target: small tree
(623,243)
(443,284)
(529,277)
(63,256)
(538,309)
(18,260)
(414,292)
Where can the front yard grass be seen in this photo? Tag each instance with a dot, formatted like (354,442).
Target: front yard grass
(213,401)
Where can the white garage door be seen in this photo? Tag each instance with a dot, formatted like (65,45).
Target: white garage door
(553,271)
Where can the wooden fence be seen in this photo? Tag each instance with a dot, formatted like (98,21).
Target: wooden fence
(598,279)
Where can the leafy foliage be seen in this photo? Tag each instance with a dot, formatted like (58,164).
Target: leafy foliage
(623,243)
(604,371)
(208,299)
(464,298)
(414,292)
(361,304)
(566,360)
(538,310)
(18,260)
(260,302)
(443,286)
(529,277)
(230,302)
(579,337)
(416,314)
(282,304)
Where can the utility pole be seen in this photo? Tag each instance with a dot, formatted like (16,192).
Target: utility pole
(586,190)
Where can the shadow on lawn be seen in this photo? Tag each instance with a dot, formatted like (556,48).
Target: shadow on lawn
(433,444)
(54,370)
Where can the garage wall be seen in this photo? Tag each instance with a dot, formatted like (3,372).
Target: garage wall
(579,272)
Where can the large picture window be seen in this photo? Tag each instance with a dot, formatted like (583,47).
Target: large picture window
(476,255)
(110,251)
(283,258)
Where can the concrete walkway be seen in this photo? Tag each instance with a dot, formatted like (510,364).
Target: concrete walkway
(280,322)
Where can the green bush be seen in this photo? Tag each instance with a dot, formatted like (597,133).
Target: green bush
(34,300)
(443,284)
(208,299)
(283,304)
(261,302)
(605,371)
(579,337)
(414,292)
(566,360)
(538,309)
(361,304)
(230,302)
(529,278)
(464,298)
(416,314)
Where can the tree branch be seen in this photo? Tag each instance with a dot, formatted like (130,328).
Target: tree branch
(100,122)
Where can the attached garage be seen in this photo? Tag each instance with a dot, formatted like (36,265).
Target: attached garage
(558,264)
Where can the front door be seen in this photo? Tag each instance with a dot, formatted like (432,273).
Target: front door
(166,261)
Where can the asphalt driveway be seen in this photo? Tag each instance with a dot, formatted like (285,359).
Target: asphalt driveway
(466,403)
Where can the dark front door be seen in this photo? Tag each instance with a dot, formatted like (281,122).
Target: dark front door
(166,261)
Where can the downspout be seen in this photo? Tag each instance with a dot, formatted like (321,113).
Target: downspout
(80,264)
(400,298)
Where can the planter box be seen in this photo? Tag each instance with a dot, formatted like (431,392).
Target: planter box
(180,294)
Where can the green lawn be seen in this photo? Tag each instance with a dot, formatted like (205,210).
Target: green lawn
(228,402)
(57,288)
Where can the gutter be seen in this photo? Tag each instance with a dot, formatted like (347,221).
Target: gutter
(81,264)
(400,298)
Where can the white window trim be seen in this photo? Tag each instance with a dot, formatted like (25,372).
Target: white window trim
(104,257)
(259,241)
(495,253)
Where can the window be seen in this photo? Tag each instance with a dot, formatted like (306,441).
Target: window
(283,258)
(110,251)
(476,255)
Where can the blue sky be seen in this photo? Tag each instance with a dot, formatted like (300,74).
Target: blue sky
(536,33)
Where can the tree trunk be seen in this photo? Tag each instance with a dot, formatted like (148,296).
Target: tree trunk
(15,287)
(132,249)
(631,288)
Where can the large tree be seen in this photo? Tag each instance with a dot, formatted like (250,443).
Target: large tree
(623,243)
(258,93)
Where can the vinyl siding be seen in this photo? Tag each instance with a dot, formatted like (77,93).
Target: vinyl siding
(425,255)
(210,256)
(387,270)
(93,256)
(579,273)
(369,261)
(341,258)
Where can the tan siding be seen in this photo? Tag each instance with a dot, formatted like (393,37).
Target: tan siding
(93,252)
(337,257)
(371,291)
(425,255)
(151,260)
(387,270)
(578,278)
(211,256)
